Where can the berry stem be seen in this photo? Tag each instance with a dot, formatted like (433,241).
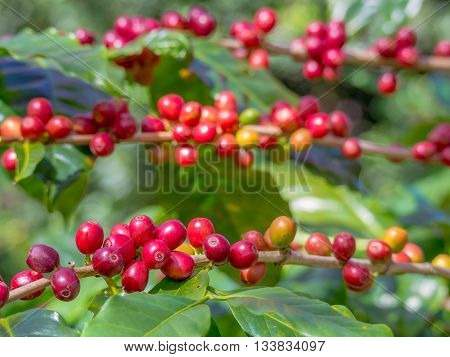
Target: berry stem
(112,285)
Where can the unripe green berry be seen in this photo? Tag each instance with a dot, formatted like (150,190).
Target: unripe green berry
(249,116)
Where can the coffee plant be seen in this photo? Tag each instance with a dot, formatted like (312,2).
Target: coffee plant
(204,178)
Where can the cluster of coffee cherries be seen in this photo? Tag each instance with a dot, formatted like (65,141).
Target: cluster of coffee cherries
(250,35)
(437,145)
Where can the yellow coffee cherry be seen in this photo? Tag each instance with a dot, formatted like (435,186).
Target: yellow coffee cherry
(301,139)
(396,237)
(247,138)
(282,231)
(441,261)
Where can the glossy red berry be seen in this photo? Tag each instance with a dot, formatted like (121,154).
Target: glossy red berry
(226,145)
(387,83)
(386,47)
(243,254)
(445,156)
(107,262)
(257,239)
(316,28)
(336,36)
(42,258)
(198,229)
(228,120)
(186,155)
(84,124)
(308,105)
(423,150)
(181,133)
(225,100)
(172,232)
(414,252)
(244,158)
(89,237)
(9,160)
(378,251)
(59,126)
(102,144)
(124,126)
(201,22)
(344,246)
(179,266)
(407,56)
(122,244)
(254,274)
(357,277)
(351,148)
(32,128)
(209,114)
(40,108)
(318,244)
(401,257)
(4,294)
(315,47)
(155,253)
(65,284)
(142,230)
(405,37)
(312,69)
(169,106)
(265,19)
(173,20)
(333,57)
(10,128)
(24,278)
(318,124)
(120,228)
(135,277)
(84,36)
(216,248)
(259,59)
(190,113)
(440,136)
(339,123)
(330,74)
(151,124)
(204,133)
(111,39)
(104,113)
(123,25)
(286,118)
(248,35)
(442,48)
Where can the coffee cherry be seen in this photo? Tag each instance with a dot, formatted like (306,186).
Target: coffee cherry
(124,126)
(386,47)
(268,240)
(40,108)
(396,237)
(315,47)
(254,274)
(282,231)
(204,133)
(102,144)
(414,252)
(111,39)
(308,105)
(84,124)
(249,116)
(423,150)
(301,139)
(243,254)
(244,158)
(441,261)
(228,120)
(10,128)
(318,244)
(32,128)
(155,254)
(336,36)
(169,106)
(84,36)
(407,56)
(440,136)
(173,20)
(445,156)
(9,160)
(401,257)
(122,244)
(318,124)
(339,123)
(209,114)
(351,148)
(179,266)
(120,228)
(265,19)
(226,145)
(104,113)
(198,229)
(405,37)
(225,100)
(333,57)
(267,142)
(247,138)
(89,237)
(286,118)
(181,133)
(201,22)
(257,239)
(186,155)
(248,35)
(142,230)
(24,278)
(216,248)
(150,124)
(4,294)
(316,28)
(312,69)
(123,25)
(172,232)
(59,126)
(135,277)
(42,258)
(378,251)
(65,284)
(344,246)
(357,277)
(387,83)
(108,261)
(259,59)
(190,113)
(442,48)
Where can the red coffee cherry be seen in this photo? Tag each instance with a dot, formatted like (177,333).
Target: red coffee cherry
(122,244)
(186,155)
(179,266)
(440,136)
(102,144)
(24,278)
(259,59)
(151,124)
(387,83)
(120,228)
(407,56)
(318,124)
(42,258)
(172,232)
(155,253)
(135,277)
(142,230)
(254,274)
(226,145)
(201,22)
(248,35)
(227,119)
(104,113)
(318,244)
(336,36)
(32,128)
(265,19)
(330,74)
(351,148)
(244,158)
(344,246)
(89,237)
(209,114)
(257,239)
(216,248)
(225,100)
(173,20)
(316,28)
(59,126)
(65,284)
(401,257)
(10,128)
(445,156)
(243,254)
(308,105)
(198,229)
(4,294)
(442,48)
(386,47)
(190,113)
(423,150)
(339,123)
(204,133)
(124,126)
(181,133)
(312,69)
(9,160)
(113,40)
(84,124)
(84,36)
(405,37)
(414,252)
(267,142)
(40,108)
(107,262)
(286,118)
(123,25)
(378,251)
(357,277)
(315,46)
(333,57)
(169,106)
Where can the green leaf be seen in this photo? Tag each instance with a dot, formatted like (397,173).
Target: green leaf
(194,288)
(147,315)
(279,312)
(5,110)
(29,155)
(36,323)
